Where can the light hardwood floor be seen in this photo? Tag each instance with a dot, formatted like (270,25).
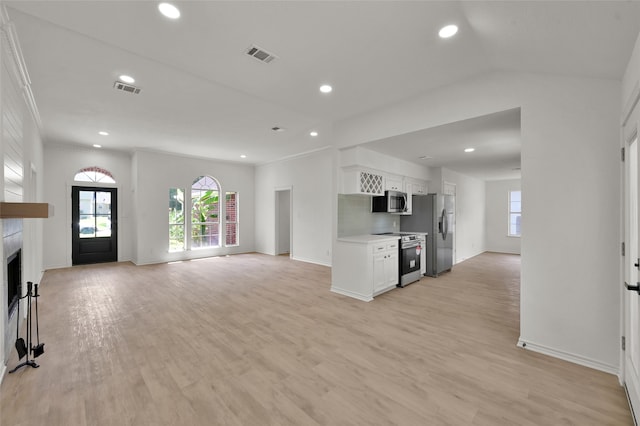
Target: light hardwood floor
(259,340)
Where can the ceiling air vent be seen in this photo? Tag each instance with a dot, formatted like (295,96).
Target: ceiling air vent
(261,54)
(126,87)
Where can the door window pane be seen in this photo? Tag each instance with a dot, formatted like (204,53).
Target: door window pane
(95,214)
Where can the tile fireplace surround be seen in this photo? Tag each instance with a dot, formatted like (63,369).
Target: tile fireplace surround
(11,243)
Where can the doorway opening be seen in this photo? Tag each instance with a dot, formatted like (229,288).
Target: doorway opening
(283,222)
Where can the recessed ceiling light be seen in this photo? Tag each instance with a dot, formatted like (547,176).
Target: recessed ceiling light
(169,10)
(469,149)
(127,79)
(95,145)
(313,133)
(325,88)
(103,133)
(243,156)
(448,31)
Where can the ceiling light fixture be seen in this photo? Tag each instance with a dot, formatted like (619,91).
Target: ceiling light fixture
(278,129)
(103,133)
(313,133)
(95,145)
(448,31)
(469,149)
(325,88)
(243,156)
(127,79)
(169,10)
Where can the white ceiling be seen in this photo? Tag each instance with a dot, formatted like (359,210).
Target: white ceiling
(202,95)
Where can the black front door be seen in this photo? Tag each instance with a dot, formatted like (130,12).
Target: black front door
(94,225)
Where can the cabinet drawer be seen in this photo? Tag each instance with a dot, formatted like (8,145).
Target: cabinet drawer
(377,248)
(392,246)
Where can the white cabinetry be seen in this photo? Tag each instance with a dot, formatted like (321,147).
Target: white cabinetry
(359,181)
(417,187)
(393,183)
(365,266)
(385,267)
(414,187)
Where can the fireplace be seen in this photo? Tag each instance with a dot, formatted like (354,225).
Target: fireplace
(14,280)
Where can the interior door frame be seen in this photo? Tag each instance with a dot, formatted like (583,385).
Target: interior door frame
(630,127)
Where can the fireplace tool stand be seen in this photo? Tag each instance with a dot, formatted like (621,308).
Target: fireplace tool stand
(22,347)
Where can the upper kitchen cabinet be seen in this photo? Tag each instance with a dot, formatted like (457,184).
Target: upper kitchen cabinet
(360,181)
(394,183)
(416,186)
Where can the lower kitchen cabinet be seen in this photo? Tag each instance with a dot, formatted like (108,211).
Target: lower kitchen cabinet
(385,267)
(365,266)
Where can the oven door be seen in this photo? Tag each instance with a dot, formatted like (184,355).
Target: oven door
(410,258)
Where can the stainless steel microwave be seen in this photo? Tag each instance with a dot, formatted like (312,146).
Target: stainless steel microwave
(390,202)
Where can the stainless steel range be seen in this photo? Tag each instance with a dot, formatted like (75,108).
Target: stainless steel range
(410,249)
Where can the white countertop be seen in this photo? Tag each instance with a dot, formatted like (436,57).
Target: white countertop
(366,239)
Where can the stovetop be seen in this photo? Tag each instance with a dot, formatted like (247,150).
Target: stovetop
(405,236)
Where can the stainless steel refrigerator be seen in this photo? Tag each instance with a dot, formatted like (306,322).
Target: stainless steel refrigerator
(433,214)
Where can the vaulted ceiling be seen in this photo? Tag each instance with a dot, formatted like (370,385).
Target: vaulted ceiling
(201,94)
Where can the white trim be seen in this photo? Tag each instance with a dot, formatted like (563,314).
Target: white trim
(3,372)
(351,294)
(633,413)
(302,259)
(291,157)
(568,356)
(631,103)
(20,68)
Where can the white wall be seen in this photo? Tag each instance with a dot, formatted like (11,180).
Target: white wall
(155,173)
(570,163)
(470,214)
(312,193)
(63,162)
(497,216)
(19,128)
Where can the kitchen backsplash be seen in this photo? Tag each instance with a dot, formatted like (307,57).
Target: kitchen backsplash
(355,217)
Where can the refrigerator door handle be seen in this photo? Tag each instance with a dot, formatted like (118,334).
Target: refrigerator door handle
(444,224)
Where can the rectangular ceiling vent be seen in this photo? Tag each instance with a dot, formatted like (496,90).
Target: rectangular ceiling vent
(126,87)
(260,54)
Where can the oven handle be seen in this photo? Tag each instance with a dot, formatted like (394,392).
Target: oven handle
(410,245)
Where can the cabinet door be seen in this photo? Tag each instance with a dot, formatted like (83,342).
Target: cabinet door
(379,271)
(393,183)
(392,267)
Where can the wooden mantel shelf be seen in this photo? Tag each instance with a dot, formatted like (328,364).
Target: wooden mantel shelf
(25,210)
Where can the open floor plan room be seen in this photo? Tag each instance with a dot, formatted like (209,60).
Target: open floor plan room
(253,339)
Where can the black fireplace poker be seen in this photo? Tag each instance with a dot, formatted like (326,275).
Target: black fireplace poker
(24,348)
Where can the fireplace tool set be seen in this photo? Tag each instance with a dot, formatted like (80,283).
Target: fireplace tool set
(24,348)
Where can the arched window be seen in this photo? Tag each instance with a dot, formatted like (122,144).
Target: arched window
(205,212)
(95,175)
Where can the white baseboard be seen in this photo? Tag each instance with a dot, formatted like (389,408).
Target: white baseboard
(302,259)
(351,294)
(567,356)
